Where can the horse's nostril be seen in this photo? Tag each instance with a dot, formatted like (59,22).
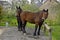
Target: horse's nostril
(42,19)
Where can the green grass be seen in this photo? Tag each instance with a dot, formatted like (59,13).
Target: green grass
(30,25)
(56,32)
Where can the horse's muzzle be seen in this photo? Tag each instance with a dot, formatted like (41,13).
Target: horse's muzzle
(43,18)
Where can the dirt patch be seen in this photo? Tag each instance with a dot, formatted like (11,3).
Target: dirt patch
(2,30)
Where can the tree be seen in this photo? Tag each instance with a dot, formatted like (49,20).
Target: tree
(0,9)
(1,12)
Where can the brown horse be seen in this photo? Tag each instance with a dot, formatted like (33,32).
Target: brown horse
(36,18)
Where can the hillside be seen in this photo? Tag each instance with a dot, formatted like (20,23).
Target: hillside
(53,9)
(48,4)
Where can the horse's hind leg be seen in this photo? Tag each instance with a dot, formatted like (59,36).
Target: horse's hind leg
(23,25)
(20,26)
(36,26)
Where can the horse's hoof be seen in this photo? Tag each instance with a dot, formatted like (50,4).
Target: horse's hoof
(34,34)
(19,30)
(38,33)
(24,33)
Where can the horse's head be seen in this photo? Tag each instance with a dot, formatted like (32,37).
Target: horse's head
(19,10)
(45,14)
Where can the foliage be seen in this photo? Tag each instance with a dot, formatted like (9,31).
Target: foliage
(1,8)
(29,7)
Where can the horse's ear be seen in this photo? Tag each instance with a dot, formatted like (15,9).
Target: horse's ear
(47,9)
(43,9)
(19,7)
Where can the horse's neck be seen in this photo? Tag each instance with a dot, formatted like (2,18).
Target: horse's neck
(40,14)
(37,13)
(20,12)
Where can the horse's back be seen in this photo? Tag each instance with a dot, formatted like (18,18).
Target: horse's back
(28,16)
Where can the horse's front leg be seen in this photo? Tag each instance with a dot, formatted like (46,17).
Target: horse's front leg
(36,26)
(40,24)
(39,30)
(19,23)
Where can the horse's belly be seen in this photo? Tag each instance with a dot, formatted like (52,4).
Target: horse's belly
(32,22)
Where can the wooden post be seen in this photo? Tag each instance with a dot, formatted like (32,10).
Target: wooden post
(50,34)
(6,24)
(44,29)
(49,30)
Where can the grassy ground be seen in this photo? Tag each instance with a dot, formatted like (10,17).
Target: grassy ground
(55,31)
